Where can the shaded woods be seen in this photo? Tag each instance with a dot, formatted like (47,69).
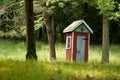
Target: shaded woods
(12,22)
(26,22)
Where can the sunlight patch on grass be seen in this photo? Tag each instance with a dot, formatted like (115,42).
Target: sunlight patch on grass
(14,67)
(95,53)
(17,50)
(42,51)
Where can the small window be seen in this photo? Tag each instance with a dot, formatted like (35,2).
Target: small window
(68,42)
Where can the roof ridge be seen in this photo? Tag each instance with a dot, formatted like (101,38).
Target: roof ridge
(75,24)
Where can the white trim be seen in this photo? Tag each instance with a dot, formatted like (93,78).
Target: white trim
(74,25)
(68,37)
(72,46)
(88,45)
(88,27)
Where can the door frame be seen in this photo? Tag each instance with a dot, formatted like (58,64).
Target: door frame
(86,45)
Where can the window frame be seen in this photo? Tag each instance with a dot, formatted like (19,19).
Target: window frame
(68,42)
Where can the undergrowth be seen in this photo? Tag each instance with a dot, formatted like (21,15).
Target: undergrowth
(14,67)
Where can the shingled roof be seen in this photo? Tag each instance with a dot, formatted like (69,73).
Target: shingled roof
(76,24)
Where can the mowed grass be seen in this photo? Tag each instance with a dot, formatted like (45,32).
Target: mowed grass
(14,67)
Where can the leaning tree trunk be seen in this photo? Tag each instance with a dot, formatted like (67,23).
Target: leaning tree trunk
(47,18)
(31,50)
(105,42)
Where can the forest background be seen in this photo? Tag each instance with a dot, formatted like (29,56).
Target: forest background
(12,19)
(55,15)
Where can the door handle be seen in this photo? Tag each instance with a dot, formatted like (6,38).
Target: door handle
(85,39)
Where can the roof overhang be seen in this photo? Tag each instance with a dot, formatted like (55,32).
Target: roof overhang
(75,24)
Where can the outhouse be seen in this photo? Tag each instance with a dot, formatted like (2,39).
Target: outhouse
(77,41)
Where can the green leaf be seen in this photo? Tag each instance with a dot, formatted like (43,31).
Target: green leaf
(119,7)
(74,4)
(107,7)
(61,4)
(38,23)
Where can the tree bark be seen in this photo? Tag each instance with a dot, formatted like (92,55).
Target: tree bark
(31,49)
(40,33)
(105,42)
(85,10)
(47,19)
(52,26)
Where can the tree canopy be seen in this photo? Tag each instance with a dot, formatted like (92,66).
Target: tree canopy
(64,11)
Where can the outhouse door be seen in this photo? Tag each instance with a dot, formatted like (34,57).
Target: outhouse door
(80,48)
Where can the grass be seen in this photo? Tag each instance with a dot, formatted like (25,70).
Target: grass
(21,70)
(14,67)
(96,53)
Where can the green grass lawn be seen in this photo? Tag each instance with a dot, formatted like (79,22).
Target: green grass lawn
(14,67)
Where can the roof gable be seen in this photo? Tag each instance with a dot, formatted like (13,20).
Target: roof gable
(82,28)
(74,25)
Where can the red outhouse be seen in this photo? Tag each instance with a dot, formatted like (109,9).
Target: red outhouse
(77,41)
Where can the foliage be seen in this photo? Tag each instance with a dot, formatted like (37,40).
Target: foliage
(107,7)
(12,19)
(12,22)
(2,2)
(38,23)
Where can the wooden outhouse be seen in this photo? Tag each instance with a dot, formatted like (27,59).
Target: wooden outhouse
(77,41)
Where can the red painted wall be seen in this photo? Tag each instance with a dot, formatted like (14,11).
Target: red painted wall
(75,45)
(69,51)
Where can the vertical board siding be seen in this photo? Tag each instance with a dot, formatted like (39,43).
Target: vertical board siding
(69,51)
(79,33)
(82,28)
(80,48)
(86,45)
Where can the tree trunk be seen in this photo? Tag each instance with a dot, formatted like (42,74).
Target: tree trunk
(31,50)
(40,34)
(52,26)
(50,34)
(85,10)
(105,42)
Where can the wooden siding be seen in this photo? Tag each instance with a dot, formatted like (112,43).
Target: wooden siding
(69,50)
(75,45)
(80,48)
(82,28)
